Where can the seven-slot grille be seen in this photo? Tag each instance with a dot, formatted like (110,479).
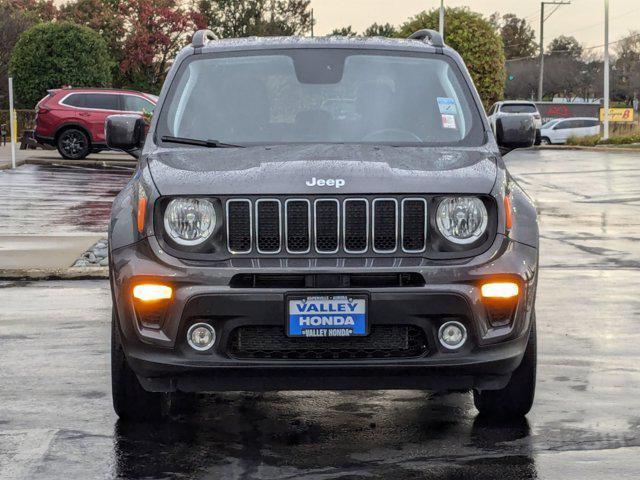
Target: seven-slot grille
(327,225)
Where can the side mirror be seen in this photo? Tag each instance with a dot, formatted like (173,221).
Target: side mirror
(515,131)
(125,132)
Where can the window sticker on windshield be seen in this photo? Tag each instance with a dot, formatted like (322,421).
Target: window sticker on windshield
(447,106)
(449,121)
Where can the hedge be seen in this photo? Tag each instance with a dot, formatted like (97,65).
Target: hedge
(51,55)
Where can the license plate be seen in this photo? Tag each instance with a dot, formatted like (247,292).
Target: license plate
(327,316)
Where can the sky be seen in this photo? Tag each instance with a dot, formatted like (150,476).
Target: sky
(583,19)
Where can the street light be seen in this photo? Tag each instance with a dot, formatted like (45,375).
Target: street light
(441,24)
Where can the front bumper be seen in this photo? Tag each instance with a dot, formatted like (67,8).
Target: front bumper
(164,362)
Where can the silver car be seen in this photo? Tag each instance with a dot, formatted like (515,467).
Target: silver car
(559,130)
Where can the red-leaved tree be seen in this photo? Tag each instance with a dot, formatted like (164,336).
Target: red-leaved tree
(156,31)
(43,10)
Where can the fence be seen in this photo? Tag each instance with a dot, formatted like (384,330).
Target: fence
(26,120)
(550,110)
(624,129)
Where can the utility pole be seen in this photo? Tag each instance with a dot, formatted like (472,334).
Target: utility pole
(542,20)
(605,134)
(312,22)
(441,24)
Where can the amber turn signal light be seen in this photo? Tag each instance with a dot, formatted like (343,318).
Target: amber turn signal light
(500,290)
(508,214)
(142,211)
(150,292)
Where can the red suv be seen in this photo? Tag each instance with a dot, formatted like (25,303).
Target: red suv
(72,119)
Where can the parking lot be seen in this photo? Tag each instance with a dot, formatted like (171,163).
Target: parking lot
(56,419)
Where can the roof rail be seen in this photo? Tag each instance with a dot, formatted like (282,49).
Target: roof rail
(202,37)
(431,35)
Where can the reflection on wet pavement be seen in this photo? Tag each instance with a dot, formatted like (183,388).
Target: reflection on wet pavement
(50,200)
(56,419)
(588,204)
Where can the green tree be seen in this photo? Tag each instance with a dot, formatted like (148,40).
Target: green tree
(475,39)
(627,66)
(104,17)
(344,32)
(50,55)
(565,46)
(376,30)
(517,35)
(12,24)
(244,18)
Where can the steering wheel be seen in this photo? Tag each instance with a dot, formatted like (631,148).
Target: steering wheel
(374,135)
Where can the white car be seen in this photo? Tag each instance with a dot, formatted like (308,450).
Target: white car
(560,129)
(515,107)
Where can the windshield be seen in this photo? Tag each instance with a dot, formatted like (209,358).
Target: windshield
(321,96)
(550,123)
(519,108)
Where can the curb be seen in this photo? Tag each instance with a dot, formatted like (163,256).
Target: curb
(80,163)
(71,163)
(7,166)
(589,149)
(88,273)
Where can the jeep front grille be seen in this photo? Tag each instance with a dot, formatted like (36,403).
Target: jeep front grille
(326,225)
(356,225)
(268,223)
(297,225)
(239,226)
(385,225)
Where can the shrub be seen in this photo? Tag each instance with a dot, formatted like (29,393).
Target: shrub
(475,39)
(50,55)
(621,140)
(590,141)
(593,140)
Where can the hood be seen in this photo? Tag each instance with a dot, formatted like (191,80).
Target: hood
(322,169)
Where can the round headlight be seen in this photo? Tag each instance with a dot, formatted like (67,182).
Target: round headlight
(189,221)
(462,220)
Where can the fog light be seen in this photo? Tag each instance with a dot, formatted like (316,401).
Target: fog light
(499,290)
(452,335)
(201,336)
(149,292)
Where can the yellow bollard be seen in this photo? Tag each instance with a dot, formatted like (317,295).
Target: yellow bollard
(14,123)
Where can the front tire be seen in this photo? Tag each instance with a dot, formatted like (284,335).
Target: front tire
(73,144)
(545,141)
(130,400)
(516,399)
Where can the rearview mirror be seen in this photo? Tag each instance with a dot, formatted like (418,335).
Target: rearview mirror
(125,132)
(515,131)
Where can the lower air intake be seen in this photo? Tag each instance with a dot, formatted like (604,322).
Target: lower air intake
(271,343)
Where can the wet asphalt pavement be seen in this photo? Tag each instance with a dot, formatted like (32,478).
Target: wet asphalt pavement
(58,200)
(56,419)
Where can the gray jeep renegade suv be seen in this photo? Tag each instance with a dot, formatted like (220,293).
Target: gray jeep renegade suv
(321,213)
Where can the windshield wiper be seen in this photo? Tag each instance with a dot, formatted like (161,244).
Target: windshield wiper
(200,143)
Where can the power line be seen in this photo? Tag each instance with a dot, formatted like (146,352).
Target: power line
(552,12)
(599,24)
(583,48)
